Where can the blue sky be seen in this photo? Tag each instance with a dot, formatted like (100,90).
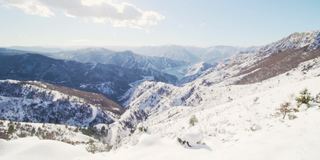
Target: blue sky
(180,22)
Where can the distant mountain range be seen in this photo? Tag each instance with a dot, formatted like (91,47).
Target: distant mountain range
(125,59)
(211,55)
(110,80)
(170,53)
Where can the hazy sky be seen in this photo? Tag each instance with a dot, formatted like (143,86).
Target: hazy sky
(153,22)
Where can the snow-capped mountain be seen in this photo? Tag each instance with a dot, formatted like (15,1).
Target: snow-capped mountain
(245,68)
(279,57)
(171,51)
(39,49)
(224,109)
(31,101)
(197,68)
(126,59)
(110,80)
(222,121)
(217,54)
(86,55)
(297,40)
(211,55)
(247,123)
(194,71)
(188,73)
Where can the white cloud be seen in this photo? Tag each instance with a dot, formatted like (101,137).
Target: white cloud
(30,7)
(98,11)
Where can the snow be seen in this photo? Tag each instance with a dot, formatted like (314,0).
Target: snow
(234,122)
(46,101)
(35,149)
(295,41)
(295,140)
(156,148)
(253,111)
(196,68)
(190,54)
(247,127)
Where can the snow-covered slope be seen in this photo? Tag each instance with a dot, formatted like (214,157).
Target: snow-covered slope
(202,90)
(197,68)
(35,149)
(283,140)
(217,88)
(46,103)
(247,125)
(226,113)
(278,57)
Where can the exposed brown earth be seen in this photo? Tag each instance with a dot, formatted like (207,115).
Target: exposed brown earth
(276,64)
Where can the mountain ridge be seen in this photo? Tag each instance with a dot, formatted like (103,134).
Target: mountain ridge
(83,76)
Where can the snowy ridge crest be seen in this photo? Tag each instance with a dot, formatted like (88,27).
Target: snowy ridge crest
(294,41)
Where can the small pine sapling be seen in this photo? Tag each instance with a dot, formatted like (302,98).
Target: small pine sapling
(193,120)
(304,98)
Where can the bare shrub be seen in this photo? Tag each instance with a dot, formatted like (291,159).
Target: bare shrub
(285,109)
